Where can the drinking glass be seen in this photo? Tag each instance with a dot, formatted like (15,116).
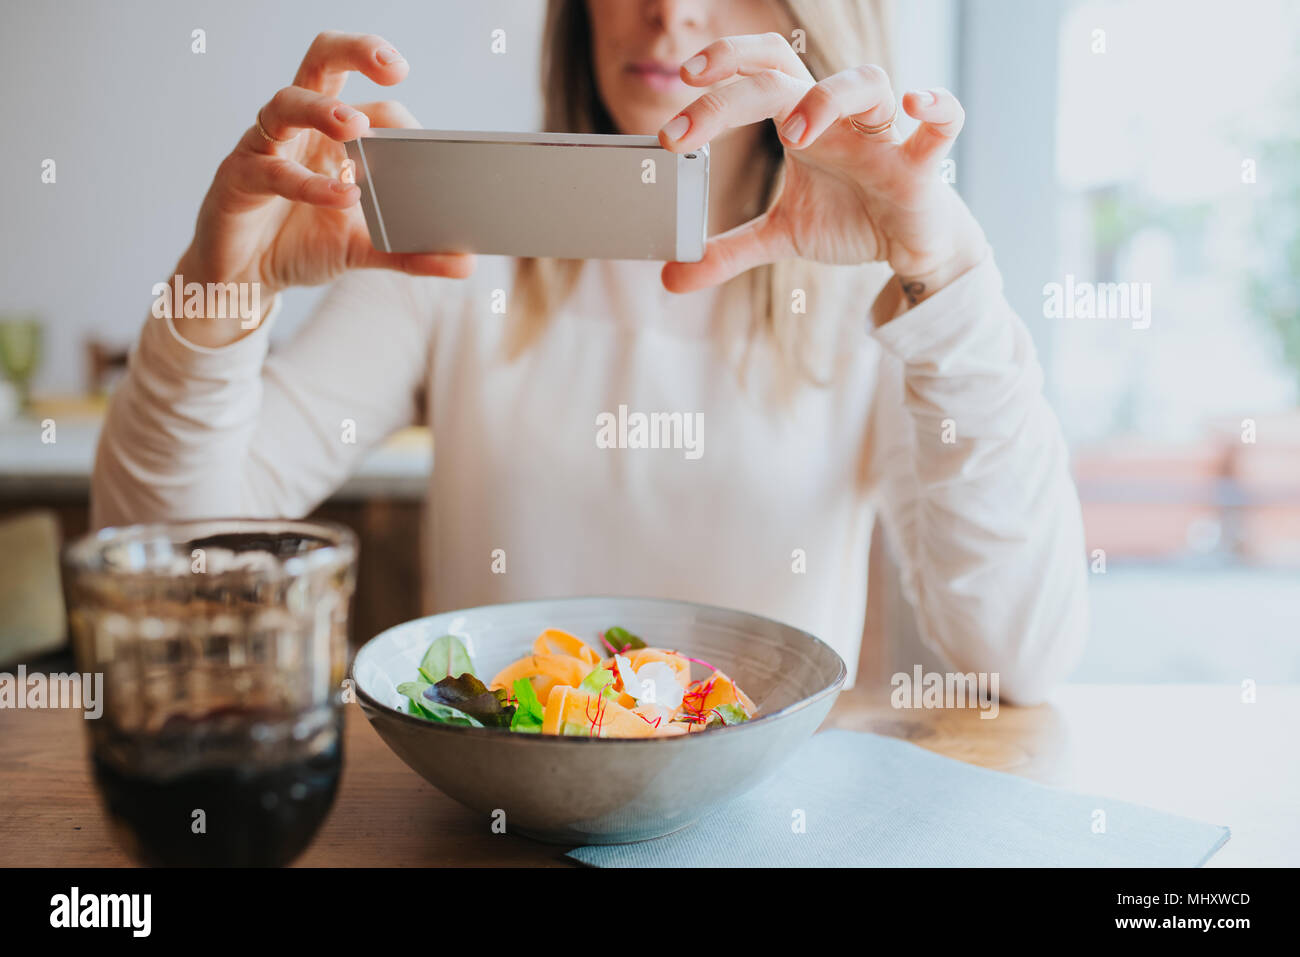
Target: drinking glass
(20,353)
(222,646)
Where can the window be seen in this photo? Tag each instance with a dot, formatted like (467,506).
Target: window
(1136,167)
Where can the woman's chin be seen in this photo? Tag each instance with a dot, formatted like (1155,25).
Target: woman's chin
(644,128)
(646,115)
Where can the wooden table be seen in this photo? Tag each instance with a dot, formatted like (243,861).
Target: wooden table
(1194,750)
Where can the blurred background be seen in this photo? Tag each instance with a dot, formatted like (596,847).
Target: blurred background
(1154,142)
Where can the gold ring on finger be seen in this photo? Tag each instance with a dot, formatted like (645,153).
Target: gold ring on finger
(873,130)
(257,124)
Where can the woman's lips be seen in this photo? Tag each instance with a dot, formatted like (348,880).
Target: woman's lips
(661,77)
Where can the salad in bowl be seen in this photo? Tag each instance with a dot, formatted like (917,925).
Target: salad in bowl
(565,687)
(542,716)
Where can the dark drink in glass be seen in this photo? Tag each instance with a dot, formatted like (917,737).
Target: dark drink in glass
(253,813)
(223,647)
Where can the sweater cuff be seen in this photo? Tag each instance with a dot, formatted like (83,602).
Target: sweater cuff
(933,326)
(165,345)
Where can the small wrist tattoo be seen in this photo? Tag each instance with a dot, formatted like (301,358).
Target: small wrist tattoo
(914,291)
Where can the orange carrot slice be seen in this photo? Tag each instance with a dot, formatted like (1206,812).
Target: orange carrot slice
(680,664)
(555,642)
(722,690)
(547,671)
(571,709)
(663,728)
(553,710)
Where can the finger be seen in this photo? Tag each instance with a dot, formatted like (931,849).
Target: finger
(294,109)
(750,244)
(257,174)
(332,55)
(863,93)
(391,114)
(763,95)
(941,117)
(744,55)
(451,265)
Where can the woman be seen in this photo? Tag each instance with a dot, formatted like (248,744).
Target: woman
(844,341)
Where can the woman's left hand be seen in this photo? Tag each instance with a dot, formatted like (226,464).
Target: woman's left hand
(847,197)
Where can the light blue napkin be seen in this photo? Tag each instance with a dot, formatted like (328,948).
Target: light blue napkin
(868,800)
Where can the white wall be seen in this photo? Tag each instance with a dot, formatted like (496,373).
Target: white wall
(137,123)
(925,46)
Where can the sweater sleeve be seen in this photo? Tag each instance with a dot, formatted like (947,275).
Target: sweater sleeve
(195,432)
(975,488)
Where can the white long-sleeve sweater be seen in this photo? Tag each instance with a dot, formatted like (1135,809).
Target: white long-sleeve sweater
(936,418)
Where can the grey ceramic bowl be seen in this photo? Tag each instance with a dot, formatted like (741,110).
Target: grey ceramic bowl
(576,790)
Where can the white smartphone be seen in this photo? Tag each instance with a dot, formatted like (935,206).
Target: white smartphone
(562,195)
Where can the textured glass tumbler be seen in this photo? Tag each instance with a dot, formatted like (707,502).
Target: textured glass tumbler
(223,648)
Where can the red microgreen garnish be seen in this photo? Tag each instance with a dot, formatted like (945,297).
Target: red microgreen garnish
(598,721)
(695,696)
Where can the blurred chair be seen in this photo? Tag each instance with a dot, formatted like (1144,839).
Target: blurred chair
(32,617)
(105,363)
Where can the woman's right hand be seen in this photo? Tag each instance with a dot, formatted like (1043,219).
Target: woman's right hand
(277,213)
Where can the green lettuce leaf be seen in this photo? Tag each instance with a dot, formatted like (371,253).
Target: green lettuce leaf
(446,658)
(621,638)
(601,682)
(726,714)
(528,710)
(467,694)
(422,707)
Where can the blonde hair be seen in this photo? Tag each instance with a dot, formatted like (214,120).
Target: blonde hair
(836,35)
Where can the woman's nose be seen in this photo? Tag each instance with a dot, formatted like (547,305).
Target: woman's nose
(670,14)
